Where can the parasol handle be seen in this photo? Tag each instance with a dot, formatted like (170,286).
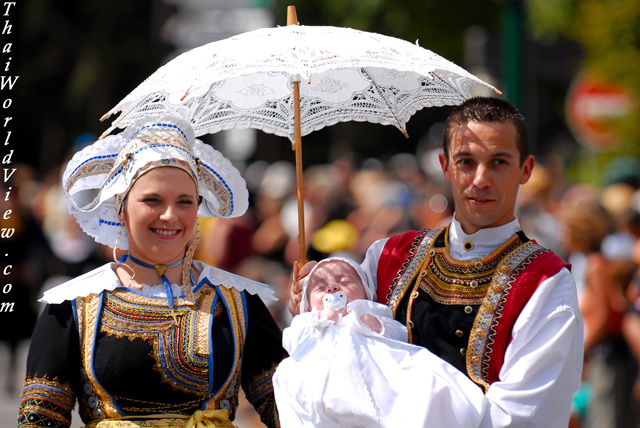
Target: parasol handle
(292,19)
(298,148)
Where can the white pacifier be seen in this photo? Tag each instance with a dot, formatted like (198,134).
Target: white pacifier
(335,301)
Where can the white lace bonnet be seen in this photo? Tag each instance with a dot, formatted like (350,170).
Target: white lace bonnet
(304,302)
(98,178)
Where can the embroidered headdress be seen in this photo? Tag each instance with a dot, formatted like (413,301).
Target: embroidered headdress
(98,178)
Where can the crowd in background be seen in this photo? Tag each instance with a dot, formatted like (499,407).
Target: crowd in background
(350,205)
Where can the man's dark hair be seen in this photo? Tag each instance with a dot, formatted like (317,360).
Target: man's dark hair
(487,109)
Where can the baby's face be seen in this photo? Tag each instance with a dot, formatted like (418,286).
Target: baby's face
(331,277)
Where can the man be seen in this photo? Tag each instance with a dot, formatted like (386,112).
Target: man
(478,293)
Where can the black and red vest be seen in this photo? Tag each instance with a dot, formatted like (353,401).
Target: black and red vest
(462,311)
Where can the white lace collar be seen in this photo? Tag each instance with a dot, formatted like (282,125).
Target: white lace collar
(479,244)
(105,278)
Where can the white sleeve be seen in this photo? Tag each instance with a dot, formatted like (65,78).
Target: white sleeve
(393,329)
(370,264)
(543,363)
(541,370)
(304,333)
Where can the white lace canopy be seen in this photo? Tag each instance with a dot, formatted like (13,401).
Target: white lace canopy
(246,81)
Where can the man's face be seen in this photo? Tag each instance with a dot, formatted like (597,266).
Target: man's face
(485,173)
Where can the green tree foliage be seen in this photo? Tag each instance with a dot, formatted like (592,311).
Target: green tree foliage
(609,32)
(437,25)
(76,59)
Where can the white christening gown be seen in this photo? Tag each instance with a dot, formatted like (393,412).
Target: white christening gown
(346,375)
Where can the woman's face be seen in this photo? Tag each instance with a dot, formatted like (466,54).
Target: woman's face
(160,213)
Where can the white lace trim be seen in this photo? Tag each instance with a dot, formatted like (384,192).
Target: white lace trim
(93,282)
(231,280)
(246,81)
(104,278)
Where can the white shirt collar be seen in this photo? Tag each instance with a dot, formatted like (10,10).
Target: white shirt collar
(481,243)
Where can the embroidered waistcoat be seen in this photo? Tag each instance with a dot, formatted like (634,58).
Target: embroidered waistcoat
(182,348)
(462,311)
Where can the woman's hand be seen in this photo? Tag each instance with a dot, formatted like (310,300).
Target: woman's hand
(295,286)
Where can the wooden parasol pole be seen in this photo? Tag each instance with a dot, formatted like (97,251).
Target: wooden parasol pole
(292,19)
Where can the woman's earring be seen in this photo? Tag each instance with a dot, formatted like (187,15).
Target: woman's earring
(115,246)
(132,271)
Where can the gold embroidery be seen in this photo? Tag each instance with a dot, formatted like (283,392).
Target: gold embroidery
(185,343)
(202,322)
(45,403)
(154,407)
(454,282)
(88,318)
(260,385)
(140,423)
(227,395)
(96,166)
(259,393)
(420,248)
(218,188)
(484,327)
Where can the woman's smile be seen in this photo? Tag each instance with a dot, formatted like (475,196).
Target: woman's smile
(160,215)
(169,233)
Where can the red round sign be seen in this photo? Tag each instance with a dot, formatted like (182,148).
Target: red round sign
(590,108)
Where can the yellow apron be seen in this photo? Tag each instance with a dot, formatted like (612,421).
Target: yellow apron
(200,419)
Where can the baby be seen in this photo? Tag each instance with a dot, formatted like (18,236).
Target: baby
(350,365)
(335,282)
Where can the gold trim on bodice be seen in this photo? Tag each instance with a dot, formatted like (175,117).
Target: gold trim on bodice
(184,342)
(181,348)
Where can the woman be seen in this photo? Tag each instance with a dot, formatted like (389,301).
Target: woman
(154,338)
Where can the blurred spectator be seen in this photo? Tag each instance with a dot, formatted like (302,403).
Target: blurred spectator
(623,169)
(337,236)
(631,332)
(432,205)
(225,244)
(378,207)
(609,365)
(534,209)
(24,253)
(270,237)
(617,199)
